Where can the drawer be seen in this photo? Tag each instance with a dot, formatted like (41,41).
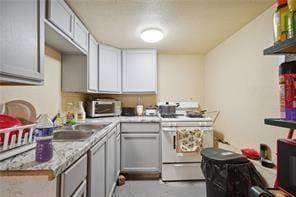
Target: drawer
(140,127)
(74,176)
(189,171)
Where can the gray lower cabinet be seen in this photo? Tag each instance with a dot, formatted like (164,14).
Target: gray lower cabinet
(140,152)
(111,171)
(117,152)
(73,180)
(82,190)
(22,41)
(97,169)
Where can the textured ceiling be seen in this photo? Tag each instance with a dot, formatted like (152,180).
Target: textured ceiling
(190,26)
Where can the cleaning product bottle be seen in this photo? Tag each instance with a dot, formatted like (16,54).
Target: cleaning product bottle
(71,116)
(292,19)
(280,21)
(44,135)
(81,112)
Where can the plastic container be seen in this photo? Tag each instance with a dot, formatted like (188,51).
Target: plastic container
(44,127)
(81,111)
(287,81)
(44,135)
(292,19)
(44,149)
(280,21)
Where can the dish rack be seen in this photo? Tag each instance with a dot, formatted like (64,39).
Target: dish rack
(16,140)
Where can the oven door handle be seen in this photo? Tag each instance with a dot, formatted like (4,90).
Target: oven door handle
(186,165)
(174,142)
(169,129)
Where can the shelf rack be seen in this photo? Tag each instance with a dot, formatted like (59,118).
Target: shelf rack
(283,48)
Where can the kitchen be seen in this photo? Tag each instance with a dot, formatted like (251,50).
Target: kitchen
(210,57)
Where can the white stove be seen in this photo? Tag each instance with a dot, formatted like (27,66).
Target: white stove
(183,166)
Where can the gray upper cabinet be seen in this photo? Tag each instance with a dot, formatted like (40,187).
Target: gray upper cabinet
(80,72)
(139,71)
(92,65)
(61,15)
(80,34)
(109,69)
(22,41)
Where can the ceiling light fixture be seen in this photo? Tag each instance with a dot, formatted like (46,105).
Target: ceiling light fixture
(152,35)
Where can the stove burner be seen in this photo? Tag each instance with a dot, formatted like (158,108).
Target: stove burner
(169,116)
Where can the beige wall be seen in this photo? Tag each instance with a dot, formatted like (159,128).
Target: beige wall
(181,78)
(46,98)
(243,84)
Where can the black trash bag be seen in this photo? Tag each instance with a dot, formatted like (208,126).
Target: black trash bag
(231,179)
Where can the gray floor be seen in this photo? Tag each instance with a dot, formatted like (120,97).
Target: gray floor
(160,189)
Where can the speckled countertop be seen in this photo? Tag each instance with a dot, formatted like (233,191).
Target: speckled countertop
(65,153)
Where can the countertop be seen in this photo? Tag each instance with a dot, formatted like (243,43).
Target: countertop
(65,153)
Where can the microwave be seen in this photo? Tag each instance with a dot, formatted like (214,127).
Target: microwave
(286,168)
(103,108)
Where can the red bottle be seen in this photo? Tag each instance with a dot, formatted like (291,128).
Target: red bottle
(287,74)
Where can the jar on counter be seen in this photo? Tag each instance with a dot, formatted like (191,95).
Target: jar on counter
(280,21)
(287,75)
(292,19)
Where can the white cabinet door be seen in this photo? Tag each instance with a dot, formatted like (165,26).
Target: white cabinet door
(72,178)
(92,65)
(97,169)
(80,34)
(109,69)
(81,191)
(140,152)
(61,15)
(117,156)
(22,41)
(111,171)
(139,71)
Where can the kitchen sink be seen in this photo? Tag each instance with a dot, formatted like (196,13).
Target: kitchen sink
(78,132)
(71,135)
(90,127)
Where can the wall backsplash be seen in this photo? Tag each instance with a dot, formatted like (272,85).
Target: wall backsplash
(128,100)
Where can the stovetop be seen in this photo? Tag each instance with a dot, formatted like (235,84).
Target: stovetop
(184,118)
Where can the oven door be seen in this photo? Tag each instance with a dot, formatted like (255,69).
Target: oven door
(169,154)
(104,108)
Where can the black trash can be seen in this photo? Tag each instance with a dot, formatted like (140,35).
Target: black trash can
(228,174)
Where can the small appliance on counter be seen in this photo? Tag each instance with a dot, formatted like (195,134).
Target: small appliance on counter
(128,111)
(151,111)
(103,108)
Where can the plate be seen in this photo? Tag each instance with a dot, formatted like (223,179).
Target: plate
(7,122)
(22,110)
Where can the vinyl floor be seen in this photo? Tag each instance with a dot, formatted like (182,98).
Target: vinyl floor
(161,189)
